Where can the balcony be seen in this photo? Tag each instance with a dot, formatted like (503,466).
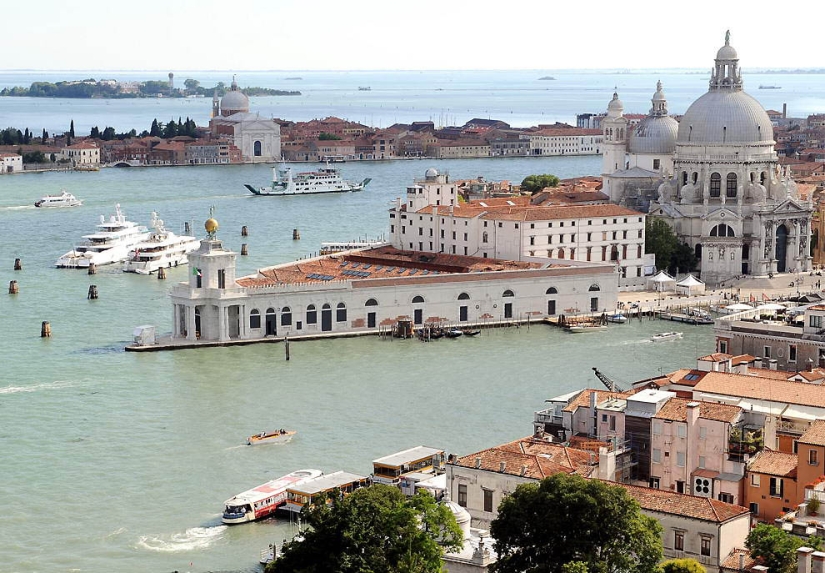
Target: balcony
(744,440)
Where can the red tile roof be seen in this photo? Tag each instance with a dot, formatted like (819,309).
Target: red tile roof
(763,388)
(664,501)
(815,435)
(774,463)
(676,409)
(530,458)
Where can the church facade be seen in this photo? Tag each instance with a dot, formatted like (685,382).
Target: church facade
(258,138)
(716,177)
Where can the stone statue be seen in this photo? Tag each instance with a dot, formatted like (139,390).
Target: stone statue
(727,39)
(665,193)
(688,193)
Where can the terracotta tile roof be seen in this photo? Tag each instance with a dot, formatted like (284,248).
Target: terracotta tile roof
(380,262)
(583,398)
(774,463)
(664,501)
(768,373)
(686,377)
(763,388)
(742,359)
(537,459)
(813,375)
(716,357)
(731,562)
(815,435)
(526,212)
(676,409)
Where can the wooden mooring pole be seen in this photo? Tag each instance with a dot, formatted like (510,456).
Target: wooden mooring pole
(286,347)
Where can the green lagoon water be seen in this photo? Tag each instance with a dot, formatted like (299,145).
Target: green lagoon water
(115,461)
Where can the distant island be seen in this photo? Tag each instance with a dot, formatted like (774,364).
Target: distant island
(105,88)
(547,78)
(294,78)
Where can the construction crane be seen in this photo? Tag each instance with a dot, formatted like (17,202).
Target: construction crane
(609,384)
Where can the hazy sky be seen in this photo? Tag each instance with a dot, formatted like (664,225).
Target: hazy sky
(397,34)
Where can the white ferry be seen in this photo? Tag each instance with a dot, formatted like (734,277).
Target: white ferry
(65,199)
(325,180)
(262,501)
(316,490)
(162,248)
(110,244)
(339,247)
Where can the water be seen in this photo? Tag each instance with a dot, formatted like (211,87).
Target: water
(444,97)
(121,461)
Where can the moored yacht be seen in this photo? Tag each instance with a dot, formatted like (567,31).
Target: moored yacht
(65,199)
(162,248)
(325,180)
(110,244)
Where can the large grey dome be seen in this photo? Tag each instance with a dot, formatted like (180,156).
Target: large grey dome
(234,101)
(655,134)
(721,116)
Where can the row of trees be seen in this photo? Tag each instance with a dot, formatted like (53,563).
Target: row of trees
(534,183)
(173,129)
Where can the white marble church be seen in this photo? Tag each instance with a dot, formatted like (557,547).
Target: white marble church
(258,138)
(717,178)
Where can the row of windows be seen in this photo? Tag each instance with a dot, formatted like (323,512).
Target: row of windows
(311,314)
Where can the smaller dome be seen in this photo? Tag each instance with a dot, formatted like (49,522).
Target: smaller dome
(655,134)
(660,94)
(727,52)
(615,103)
(211,226)
(462,516)
(431,173)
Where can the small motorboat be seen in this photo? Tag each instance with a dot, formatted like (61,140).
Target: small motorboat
(665,336)
(618,318)
(276,437)
(65,199)
(579,328)
(471,331)
(453,333)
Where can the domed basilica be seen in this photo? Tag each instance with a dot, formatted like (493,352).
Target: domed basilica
(258,138)
(713,176)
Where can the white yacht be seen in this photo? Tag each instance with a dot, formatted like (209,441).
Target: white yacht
(65,199)
(162,248)
(111,243)
(325,180)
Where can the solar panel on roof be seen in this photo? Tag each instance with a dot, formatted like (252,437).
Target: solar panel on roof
(401,270)
(390,269)
(355,265)
(344,263)
(367,266)
(379,267)
(412,272)
(425,272)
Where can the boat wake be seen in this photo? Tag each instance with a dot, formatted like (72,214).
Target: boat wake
(193,538)
(35,387)
(17,208)
(115,533)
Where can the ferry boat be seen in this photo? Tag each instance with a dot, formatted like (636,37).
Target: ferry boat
(331,248)
(262,501)
(666,336)
(326,180)
(162,248)
(579,328)
(110,244)
(277,437)
(65,199)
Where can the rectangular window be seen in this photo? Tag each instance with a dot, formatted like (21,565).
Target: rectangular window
(726,497)
(612,423)
(705,550)
(815,321)
(221,278)
(777,487)
(657,456)
(594,304)
(657,428)
(813,457)
(679,540)
(680,459)
(656,164)
(702,462)
(754,507)
(792,353)
(462,495)
(488,500)
(465,236)
(767,352)
(681,430)
(703,432)
(755,480)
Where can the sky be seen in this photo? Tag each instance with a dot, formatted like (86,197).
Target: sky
(401,35)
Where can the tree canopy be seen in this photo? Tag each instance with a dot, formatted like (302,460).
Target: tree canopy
(373,529)
(546,527)
(686,565)
(670,253)
(535,183)
(775,548)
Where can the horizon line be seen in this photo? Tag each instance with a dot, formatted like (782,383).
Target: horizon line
(561,70)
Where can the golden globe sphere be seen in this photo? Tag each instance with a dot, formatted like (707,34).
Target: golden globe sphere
(211,226)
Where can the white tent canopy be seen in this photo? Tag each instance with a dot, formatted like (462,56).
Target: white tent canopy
(690,285)
(738,307)
(662,281)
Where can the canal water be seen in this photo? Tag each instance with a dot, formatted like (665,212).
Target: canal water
(115,461)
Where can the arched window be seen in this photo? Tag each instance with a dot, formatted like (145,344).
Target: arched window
(715,184)
(286,316)
(594,288)
(484,237)
(695,177)
(256,151)
(464,296)
(418,299)
(371,302)
(508,293)
(730,186)
(684,177)
(552,290)
(312,314)
(341,312)
(254,318)
(762,177)
(722,230)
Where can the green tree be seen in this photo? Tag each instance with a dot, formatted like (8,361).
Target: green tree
(686,565)
(71,130)
(34,157)
(660,240)
(543,526)
(324,136)
(191,85)
(682,260)
(95,132)
(373,529)
(775,548)
(108,134)
(45,136)
(155,131)
(535,183)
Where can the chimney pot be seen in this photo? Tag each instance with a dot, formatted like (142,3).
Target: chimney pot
(478,463)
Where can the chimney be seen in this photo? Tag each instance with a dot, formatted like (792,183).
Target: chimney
(503,466)
(523,470)
(818,562)
(772,363)
(478,463)
(742,561)
(809,365)
(803,559)
(784,111)
(757,363)
(692,416)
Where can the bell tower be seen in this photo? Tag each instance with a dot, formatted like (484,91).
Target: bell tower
(614,142)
